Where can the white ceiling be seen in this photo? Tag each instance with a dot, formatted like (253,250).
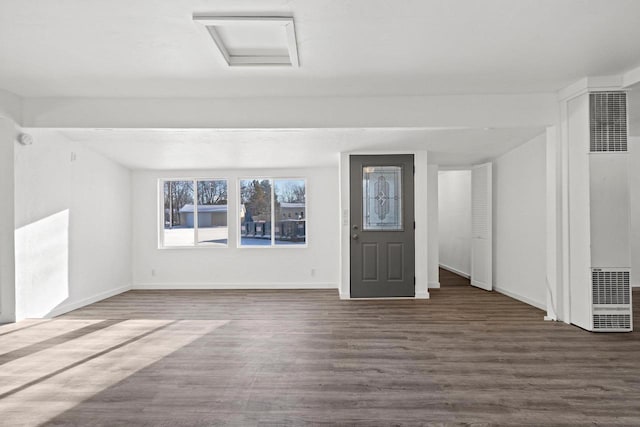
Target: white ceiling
(285,148)
(152,48)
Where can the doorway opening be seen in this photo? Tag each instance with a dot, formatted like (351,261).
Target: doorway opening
(465,218)
(454,227)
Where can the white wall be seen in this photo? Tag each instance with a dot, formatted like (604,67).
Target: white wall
(8,133)
(73,227)
(432,226)
(519,233)
(454,219)
(634,192)
(233,267)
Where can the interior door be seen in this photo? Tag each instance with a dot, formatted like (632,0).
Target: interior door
(481,227)
(382,226)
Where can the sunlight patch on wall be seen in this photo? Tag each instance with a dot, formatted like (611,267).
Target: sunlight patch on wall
(42,265)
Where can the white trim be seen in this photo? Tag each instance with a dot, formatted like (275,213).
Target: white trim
(563,307)
(242,286)
(421,214)
(553,222)
(292,44)
(196,214)
(611,82)
(631,77)
(344,228)
(219,43)
(434,285)
(520,298)
(65,308)
(454,168)
(421,295)
(574,89)
(481,285)
(453,270)
(222,20)
(590,84)
(215,246)
(387,298)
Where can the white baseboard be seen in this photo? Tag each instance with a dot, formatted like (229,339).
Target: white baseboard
(521,298)
(346,296)
(453,270)
(242,286)
(434,285)
(70,306)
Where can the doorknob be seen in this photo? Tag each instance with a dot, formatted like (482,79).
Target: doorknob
(355,236)
(355,227)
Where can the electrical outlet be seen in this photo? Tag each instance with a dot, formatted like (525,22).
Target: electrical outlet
(313,272)
(153,272)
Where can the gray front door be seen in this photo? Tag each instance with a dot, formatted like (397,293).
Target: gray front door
(382,226)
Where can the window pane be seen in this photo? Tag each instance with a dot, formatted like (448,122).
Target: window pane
(255,212)
(291,212)
(382,198)
(178,213)
(212,213)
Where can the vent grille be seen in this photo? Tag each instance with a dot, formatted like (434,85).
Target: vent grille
(611,287)
(611,321)
(608,121)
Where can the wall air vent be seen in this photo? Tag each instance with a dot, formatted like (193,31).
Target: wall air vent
(611,287)
(608,121)
(611,322)
(611,291)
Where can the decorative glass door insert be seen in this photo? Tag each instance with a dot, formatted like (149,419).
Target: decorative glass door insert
(382,198)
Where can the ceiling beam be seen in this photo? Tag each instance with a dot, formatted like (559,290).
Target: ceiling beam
(591,84)
(10,106)
(631,77)
(464,111)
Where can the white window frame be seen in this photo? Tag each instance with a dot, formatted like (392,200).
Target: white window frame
(195,244)
(273,209)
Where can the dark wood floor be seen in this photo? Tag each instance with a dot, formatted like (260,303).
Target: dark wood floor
(182,358)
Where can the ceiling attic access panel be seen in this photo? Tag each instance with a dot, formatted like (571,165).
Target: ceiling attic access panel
(253,40)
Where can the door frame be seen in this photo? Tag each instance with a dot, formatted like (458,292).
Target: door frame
(420,214)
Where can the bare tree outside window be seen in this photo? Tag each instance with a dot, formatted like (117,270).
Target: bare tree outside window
(177,231)
(184,220)
(290,212)
(283,222)
(212,212)
(255,212)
